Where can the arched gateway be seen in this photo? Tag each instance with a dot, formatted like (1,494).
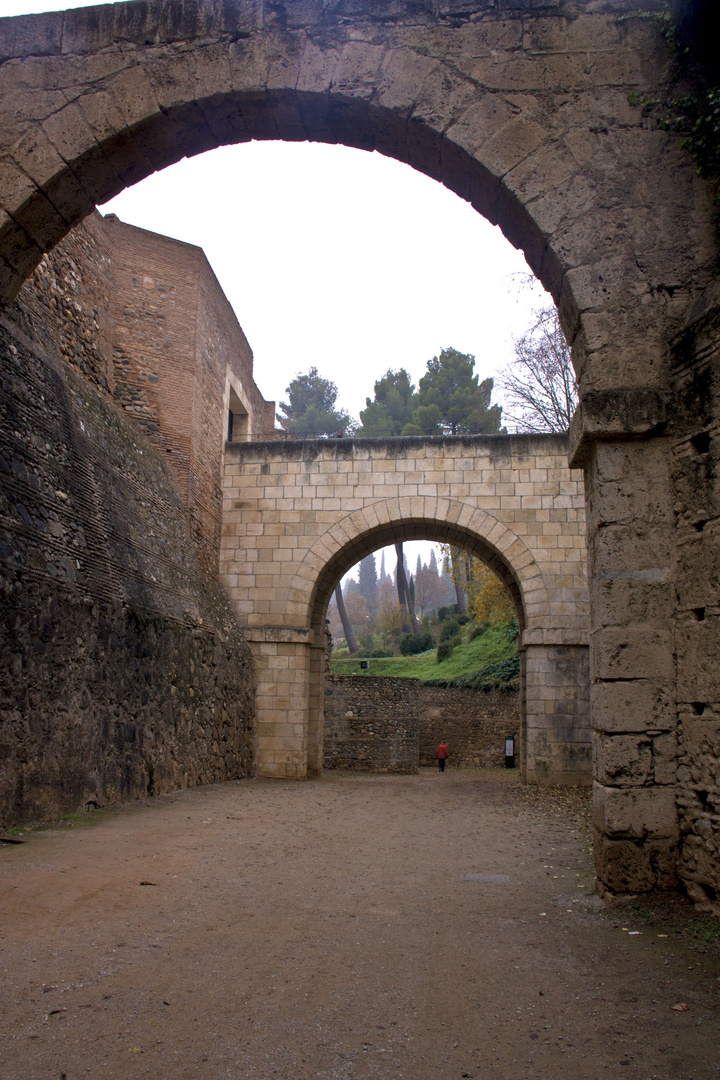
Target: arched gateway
(298,515)
(528,113)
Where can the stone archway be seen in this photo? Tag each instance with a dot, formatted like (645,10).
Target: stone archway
(528,114)
(298,515)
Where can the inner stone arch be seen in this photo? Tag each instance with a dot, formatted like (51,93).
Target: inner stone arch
(281,562)
(525,577)
(407,530)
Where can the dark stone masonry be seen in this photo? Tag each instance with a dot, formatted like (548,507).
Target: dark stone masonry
(381,724)
(123,671)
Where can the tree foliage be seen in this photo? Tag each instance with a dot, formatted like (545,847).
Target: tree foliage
(539,386)
(429,587)
(368,583)
(487,598)
(452,401)
(392,408)
(310,410)
(491,602)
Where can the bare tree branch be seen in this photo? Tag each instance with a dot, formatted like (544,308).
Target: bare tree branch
(539,386)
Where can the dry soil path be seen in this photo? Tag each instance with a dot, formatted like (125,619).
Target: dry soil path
(276,929)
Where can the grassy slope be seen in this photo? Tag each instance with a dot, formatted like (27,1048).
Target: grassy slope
(464,659)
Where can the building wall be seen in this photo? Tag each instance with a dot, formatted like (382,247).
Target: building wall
(123,671)
(177,345)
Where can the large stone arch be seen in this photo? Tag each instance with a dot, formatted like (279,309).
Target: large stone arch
(524,116)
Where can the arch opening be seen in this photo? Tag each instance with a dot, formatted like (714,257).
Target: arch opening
(405,531)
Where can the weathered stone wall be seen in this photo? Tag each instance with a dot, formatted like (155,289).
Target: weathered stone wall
(122,668)
(695,447)
(371,724)
(384,724)
(473,723)
(556,736)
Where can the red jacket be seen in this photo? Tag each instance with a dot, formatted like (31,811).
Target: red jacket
(442,751)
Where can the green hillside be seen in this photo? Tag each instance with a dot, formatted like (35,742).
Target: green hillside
(491,658)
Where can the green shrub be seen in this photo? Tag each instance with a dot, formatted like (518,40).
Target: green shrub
(450,629)
(445,648)
(411,644)
(381,652)
(478,630)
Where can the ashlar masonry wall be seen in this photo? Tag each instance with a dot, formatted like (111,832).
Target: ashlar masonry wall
(296,516)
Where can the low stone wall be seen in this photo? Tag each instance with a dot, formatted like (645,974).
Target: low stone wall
(377,724)
(473,723)
(371,724)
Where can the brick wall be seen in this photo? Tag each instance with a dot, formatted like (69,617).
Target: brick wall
(177,343)
(143,317)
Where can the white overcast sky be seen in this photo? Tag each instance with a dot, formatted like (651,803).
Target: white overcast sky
(339,259)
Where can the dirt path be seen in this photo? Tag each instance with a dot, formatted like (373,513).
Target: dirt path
(326,930)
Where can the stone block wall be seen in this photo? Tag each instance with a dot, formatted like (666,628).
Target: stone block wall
(372,724)
(695,456)
(298,515)
(123,671)
(556,732)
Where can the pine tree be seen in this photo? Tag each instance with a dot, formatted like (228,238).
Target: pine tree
(311,409)
(451,401)
(392,408)
(368,583)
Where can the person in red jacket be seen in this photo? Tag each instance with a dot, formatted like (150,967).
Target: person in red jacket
(441,754)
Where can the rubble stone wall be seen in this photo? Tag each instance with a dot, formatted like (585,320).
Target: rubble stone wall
(371,724)
(385,724)
(473,723)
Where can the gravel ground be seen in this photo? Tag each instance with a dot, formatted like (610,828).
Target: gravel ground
(329,929)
